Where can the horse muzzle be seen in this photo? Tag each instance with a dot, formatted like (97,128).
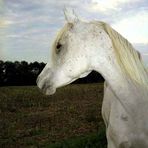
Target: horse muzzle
(45,86)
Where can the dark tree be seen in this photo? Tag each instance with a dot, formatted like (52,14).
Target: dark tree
(93,77)
(1,72)
(23,73)
(9,73)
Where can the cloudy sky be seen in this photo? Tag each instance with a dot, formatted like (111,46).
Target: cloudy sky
(28,27)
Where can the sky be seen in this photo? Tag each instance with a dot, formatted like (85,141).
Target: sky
(28,27)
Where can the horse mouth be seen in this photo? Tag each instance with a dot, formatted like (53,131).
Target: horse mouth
(49,91)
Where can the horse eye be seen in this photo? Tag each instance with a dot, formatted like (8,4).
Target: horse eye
(58,48)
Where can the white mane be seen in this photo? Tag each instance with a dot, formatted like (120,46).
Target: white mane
(127,56)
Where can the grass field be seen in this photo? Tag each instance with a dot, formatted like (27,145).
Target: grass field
(69,119)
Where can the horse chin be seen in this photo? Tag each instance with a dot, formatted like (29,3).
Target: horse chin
(50,91)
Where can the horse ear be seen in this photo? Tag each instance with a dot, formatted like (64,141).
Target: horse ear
(70,15)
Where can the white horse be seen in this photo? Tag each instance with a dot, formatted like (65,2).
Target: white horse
(81,47)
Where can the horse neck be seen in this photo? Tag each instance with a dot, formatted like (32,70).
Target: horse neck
(127,93)
(117,80)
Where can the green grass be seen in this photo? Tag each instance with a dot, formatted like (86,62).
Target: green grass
(96,140)
(69,119)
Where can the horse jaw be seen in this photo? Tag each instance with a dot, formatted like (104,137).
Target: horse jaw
(52,90)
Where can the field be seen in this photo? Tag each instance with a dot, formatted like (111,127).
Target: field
(69,119)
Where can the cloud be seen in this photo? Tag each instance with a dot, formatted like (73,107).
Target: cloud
(134,27)
(145,54)
(30,25)
(143,49)
(5,23)
(114,10)
(106,5)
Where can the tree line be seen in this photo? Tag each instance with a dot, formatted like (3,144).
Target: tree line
(24,73)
